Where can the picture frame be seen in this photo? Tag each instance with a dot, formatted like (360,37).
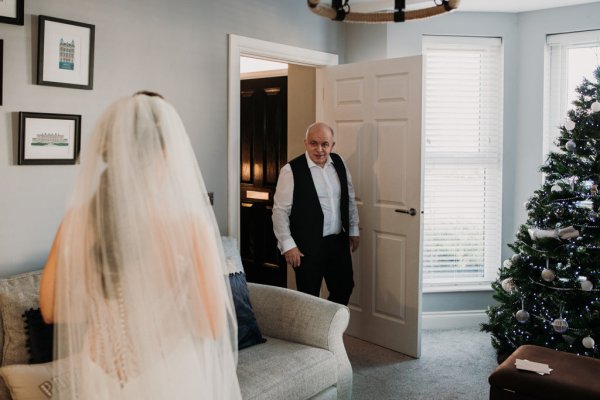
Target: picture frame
(12,12)
(46,138)
(65,53)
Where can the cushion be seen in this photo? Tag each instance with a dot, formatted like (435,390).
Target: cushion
(233,261)
(17,294)
(280,369)
(28,382)
(248,331)
(39,337)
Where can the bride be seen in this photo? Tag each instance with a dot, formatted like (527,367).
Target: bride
(134,282)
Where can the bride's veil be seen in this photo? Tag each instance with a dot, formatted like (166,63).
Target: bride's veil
(143,309)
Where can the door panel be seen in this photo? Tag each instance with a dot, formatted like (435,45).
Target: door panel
(375,111)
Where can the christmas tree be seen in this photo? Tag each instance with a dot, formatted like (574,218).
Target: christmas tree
(548,292)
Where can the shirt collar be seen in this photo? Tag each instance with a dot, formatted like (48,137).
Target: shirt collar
(311,163)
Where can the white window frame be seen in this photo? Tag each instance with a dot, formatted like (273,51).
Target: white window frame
(491,159)
(556,102)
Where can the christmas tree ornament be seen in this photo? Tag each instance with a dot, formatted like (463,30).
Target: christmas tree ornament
(586,285)
(570,146)
(522,316)
(515,258)
(507,264)
(595,106)
(569,125)
(588,342)
(508,285)
(594,189)
(564,233)
(556,188)
(560,325)
(592,215)
(548,275)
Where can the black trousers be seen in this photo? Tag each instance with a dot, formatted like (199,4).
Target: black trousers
(332,262)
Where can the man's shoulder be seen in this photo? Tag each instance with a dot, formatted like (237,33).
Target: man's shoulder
(298,161)
(335,157)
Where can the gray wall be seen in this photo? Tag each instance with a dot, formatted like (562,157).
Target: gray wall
(176,47)
(524,38)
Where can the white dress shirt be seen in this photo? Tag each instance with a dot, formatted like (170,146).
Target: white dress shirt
(327,184)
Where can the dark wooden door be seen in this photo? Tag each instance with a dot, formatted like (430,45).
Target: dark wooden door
(263,145)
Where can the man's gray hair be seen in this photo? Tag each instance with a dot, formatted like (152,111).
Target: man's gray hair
(314,125)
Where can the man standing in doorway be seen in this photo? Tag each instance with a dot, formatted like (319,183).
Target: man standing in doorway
(315,218)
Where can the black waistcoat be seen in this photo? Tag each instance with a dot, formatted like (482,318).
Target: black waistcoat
(306,217)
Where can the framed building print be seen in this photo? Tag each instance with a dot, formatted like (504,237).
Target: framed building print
(12,12)
(65,53)
(46,138)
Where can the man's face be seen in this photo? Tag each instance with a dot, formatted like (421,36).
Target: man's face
(319,144)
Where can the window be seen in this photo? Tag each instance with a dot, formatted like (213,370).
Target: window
(463,161)
(571,57)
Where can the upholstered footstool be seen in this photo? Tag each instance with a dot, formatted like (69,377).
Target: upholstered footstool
(572,377)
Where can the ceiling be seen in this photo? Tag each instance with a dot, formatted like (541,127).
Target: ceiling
(512,6)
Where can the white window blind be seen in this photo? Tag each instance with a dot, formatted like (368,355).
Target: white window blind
(463,160)
(570,57)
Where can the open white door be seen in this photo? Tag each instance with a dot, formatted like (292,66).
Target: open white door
(375,110)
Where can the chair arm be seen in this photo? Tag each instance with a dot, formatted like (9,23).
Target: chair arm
(298,317)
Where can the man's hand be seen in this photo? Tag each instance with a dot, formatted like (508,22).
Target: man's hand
(293,257)
(354,242)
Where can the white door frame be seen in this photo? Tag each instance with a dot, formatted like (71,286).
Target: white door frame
(244,46)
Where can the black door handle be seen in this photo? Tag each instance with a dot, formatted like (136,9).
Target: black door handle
(410,211)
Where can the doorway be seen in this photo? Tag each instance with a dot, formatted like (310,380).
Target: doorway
(244,46)
(263,142)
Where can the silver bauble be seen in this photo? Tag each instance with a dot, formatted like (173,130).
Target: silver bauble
(588,342)
(507,264)
(548,275)
(586,285)
(522,316)
(569,125)
(556,188)
(595,106)
(560,325)
(570,146)
(508,285)
(515,258)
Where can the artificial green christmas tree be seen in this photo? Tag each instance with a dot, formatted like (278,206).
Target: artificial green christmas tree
(548,292)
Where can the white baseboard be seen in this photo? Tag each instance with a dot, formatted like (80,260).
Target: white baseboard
(453,319)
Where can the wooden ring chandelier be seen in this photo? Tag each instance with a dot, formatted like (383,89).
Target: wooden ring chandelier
(340,11)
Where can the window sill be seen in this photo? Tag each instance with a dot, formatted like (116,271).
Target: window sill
(465,287)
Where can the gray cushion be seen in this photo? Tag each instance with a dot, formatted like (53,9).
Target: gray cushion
(28,382)
(279,369)
(17,294)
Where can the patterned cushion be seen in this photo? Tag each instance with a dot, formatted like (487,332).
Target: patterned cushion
(17,294)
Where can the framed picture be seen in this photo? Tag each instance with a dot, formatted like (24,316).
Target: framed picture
(12,12)
(48,138)
(65,53)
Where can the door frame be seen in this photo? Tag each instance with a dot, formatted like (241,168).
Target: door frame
(245,46)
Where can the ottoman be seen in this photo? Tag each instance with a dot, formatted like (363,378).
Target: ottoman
(572,377)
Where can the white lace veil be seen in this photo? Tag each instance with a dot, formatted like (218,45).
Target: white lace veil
(143,309)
